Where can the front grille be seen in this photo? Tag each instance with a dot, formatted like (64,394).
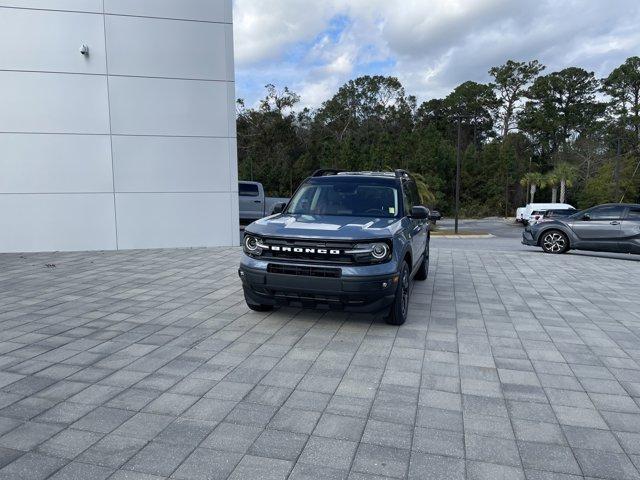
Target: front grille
(341,258)
(304,271)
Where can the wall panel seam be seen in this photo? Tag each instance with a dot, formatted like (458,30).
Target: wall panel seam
(195,20)
(113,173)
(109,192)
(90,74)
(89,12)
(112,135)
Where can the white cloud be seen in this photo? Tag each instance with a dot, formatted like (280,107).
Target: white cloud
(431,45)
(264,28)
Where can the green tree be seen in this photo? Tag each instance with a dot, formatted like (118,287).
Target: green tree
(475,104)
(598,188)
(269,140)
(566,174)
(565,120)
(362,123)
(562,105)
(428,197)
(551,180)
(510,82)
(623,86)
(533,181)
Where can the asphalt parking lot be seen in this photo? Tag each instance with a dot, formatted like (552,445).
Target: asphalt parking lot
(147,365)
(507,236)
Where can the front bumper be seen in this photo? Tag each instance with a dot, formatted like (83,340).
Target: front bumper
(528,238)
(353,291)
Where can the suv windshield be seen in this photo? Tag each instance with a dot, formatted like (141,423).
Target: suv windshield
(346,196)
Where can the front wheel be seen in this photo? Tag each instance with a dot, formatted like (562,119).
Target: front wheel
(554,241)
(400,305)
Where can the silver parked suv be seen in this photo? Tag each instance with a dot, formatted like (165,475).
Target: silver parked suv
(614,227)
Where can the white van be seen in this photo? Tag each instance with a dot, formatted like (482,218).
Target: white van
(519,213)
(531,207)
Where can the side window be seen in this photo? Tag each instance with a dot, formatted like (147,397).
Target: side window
(248,190)
(610,212)
(633,214)
(306,199)
(407,197)
(413,190)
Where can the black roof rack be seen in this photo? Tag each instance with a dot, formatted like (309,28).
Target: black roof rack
(326,171)
(401,173)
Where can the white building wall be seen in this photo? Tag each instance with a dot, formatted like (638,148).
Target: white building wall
(132,146)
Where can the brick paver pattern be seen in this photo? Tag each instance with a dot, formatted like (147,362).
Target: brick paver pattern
(147,365)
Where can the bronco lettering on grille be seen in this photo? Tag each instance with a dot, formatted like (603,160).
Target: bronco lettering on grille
(320,251)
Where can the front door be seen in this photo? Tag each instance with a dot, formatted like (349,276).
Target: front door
(418,226)
(600,227)
(630,231)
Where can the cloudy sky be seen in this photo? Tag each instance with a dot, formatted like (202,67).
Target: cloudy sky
(314,46)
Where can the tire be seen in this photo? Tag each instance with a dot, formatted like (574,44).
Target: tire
(423,271)
(256,307)
(554,241)
(400,306)
(260,308)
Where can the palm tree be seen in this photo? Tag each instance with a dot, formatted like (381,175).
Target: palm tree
(533,180)
(566,173)
(551,180)
(427,195)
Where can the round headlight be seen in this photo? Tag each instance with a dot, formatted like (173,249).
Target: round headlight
(250,243)
(379,250)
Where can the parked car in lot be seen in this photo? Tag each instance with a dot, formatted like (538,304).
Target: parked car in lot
(253,202)
(559,212)
(346,240)
(434,216)
(532,207)
(520,214)
(536,215)
(613,227)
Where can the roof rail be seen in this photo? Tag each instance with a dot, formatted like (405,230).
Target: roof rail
(326,171)
(401,173)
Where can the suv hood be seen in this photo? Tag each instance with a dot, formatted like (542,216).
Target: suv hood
(325,227)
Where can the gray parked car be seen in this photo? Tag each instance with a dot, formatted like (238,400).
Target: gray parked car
(613,227)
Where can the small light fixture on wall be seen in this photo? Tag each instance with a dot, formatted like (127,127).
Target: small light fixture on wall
(84,50)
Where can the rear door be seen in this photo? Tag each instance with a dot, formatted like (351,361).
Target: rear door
(600,227)
(251,202)
(630,231)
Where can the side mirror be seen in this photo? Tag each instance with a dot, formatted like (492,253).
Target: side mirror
(586,216)
(419,212)
(278,208)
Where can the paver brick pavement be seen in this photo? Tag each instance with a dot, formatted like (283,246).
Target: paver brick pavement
(148,364)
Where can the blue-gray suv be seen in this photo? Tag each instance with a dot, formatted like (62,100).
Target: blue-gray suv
(346,240)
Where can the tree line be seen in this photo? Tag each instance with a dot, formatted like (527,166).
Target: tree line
(565,135)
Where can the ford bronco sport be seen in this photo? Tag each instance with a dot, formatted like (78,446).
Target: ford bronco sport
(346,240)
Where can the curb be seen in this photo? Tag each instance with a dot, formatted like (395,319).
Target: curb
(487,235)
